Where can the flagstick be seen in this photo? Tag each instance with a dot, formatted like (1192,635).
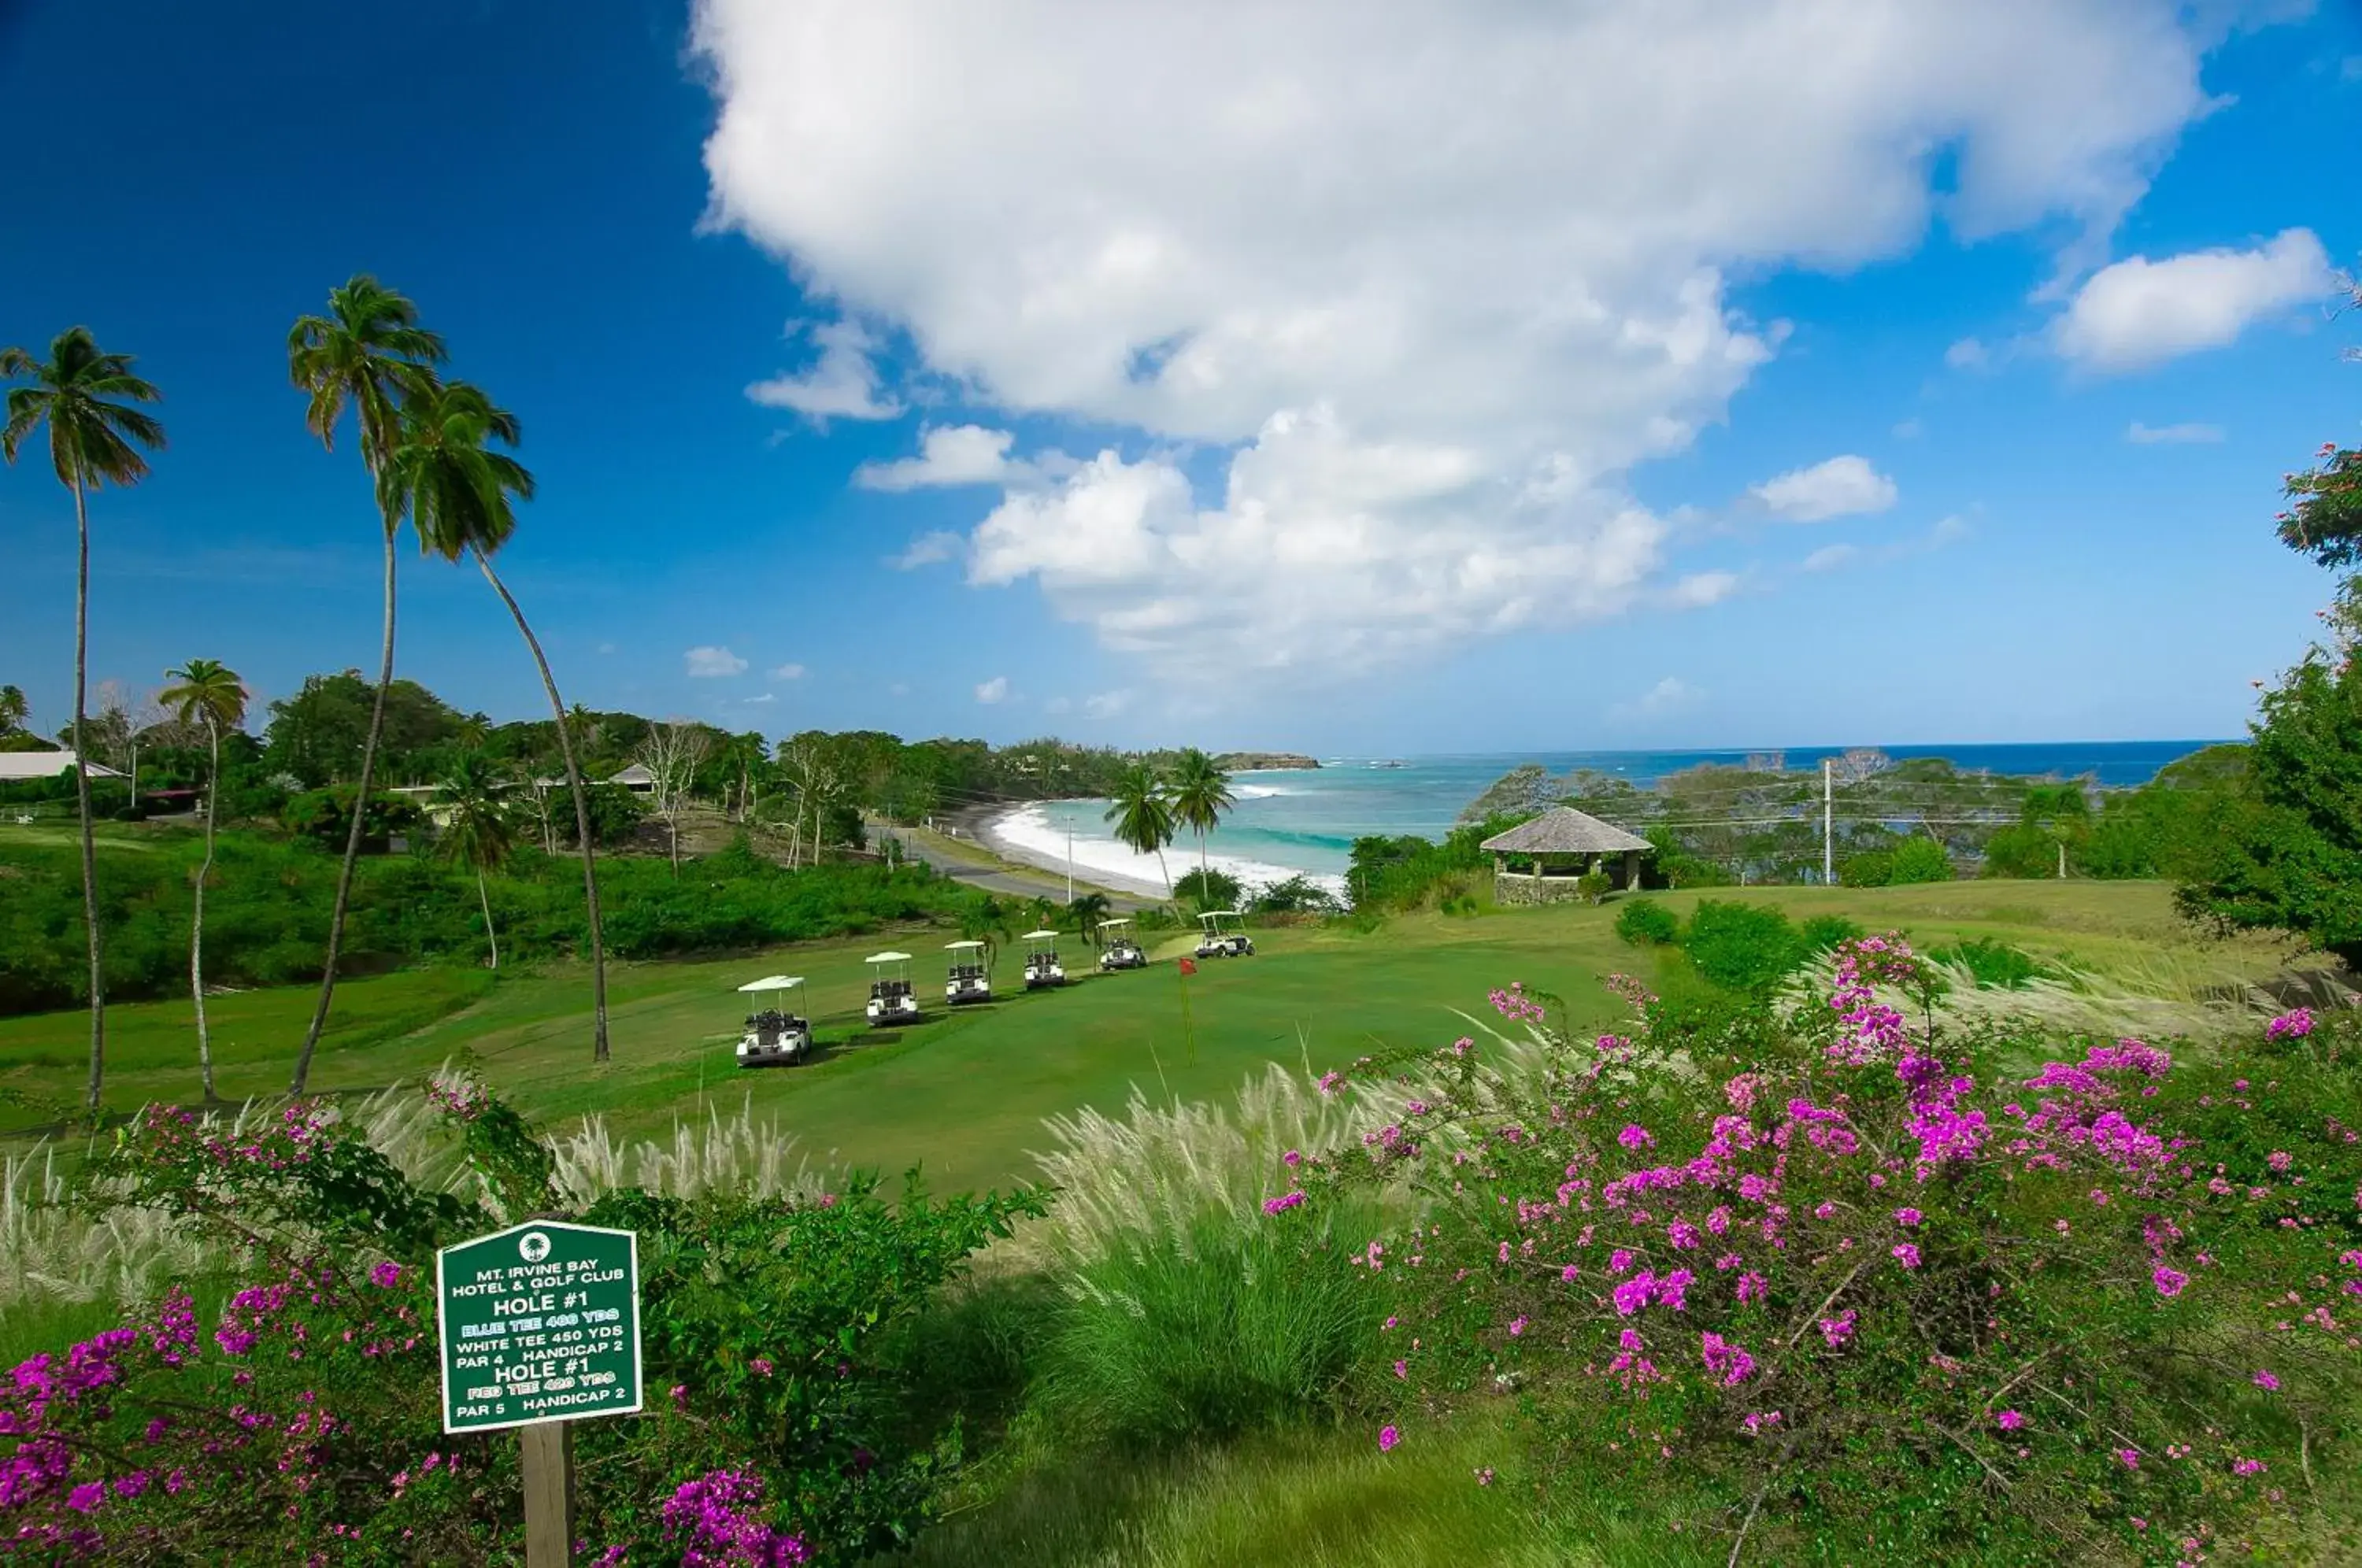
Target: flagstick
(1188,1028)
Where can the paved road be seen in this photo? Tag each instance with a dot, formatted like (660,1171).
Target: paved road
(977,870)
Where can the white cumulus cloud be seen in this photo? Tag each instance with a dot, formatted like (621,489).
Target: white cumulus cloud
(1429,281)
(1841,487)
(948,455)
(787,672)
(707,660)
(1967,354)
(929,549)
(2142,435)
(1829,558)
(2140,312)
(841,384)
(993,690)
(1106,704)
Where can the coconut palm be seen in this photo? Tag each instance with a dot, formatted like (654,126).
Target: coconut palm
(13,710)
(460,495)
(1085,914)
(984,919)
(204,694)
(366,352)
(1142,810)
(477,831)
(1201,793)
(83,395)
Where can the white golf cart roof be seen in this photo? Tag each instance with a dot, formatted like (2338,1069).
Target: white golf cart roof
(887,958)
(774,983)
(962,947)
(1039,936)
(1219,915)
(1105,924)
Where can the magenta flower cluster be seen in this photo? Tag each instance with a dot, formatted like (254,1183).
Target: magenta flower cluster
(712,1519)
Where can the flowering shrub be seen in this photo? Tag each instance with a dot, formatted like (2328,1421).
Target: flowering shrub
(301,1421)
(1881,1286)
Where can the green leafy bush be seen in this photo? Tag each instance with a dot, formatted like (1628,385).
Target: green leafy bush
(1297,895)
(1207,890)
(325,817)
(1822,932)
(1741,947)
(1645,923)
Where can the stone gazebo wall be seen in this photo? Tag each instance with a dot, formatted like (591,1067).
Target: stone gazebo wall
(1552,880)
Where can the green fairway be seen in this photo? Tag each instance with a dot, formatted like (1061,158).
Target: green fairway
(965,1093)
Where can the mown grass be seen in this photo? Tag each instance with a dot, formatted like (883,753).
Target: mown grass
(1324,1498)
(966,1093)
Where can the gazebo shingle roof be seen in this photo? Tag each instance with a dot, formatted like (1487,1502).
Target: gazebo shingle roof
(1563,830)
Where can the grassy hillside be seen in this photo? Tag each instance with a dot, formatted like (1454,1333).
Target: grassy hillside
(966,1093)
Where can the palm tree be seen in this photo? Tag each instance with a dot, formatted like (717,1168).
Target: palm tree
(459,495)
(478,833)
(83,394)
(13,710)
(1142,810)
(205,692)
(1085,914)
(367,351)
(1201,793)
(982,920)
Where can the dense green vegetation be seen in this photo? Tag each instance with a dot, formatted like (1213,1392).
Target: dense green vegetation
(268,899)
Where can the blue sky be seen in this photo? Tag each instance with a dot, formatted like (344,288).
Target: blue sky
(1405,450)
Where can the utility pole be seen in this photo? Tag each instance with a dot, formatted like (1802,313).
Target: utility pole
(1829,844)
(1070,866)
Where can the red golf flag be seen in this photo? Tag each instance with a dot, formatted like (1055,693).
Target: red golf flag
(1188,965)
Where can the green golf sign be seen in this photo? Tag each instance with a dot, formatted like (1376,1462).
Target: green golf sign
(540,1322)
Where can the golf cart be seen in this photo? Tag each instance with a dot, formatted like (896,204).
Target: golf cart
(1219,943)
(1041,966)
(774,1036)
(970,980)
(1116,948)
(891,999)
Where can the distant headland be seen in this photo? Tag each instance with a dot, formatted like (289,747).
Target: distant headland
(1258,761)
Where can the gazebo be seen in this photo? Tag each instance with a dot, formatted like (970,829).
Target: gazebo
(1558,847)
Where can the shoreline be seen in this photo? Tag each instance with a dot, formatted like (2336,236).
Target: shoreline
(983,825)
(1097,858)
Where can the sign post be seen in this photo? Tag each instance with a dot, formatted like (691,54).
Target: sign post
(540,1325)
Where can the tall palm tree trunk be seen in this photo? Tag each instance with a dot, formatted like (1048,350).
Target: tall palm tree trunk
(582,816)
(198,920)
(491,935)
(352,838)
(82,802)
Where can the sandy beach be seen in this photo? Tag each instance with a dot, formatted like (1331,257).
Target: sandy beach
(1022,832)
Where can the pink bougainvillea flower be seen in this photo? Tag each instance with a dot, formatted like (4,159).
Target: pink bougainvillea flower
(2170,1282)
(1387,1437)
(1907,1255)
(2268,1382)
(2010,1421)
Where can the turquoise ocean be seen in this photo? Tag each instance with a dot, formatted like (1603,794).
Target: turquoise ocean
(1305,819)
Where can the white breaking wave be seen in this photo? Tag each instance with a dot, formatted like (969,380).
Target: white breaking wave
(1027,834)
(1259,791)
